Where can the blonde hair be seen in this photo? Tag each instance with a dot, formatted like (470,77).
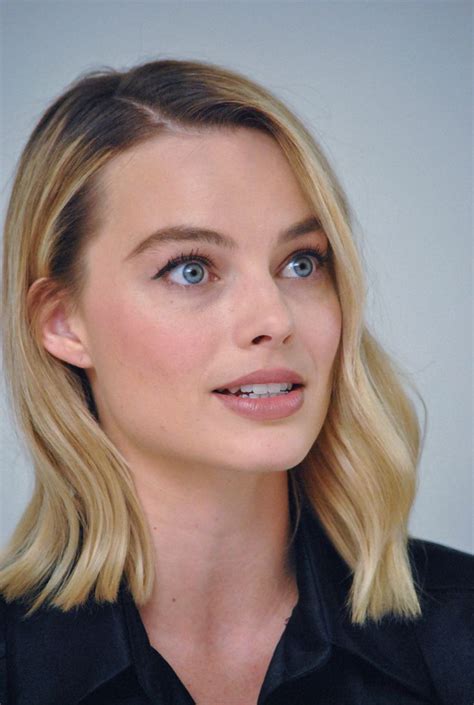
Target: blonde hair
(84,530)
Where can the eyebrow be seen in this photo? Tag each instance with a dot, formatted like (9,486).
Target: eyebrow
(179,233)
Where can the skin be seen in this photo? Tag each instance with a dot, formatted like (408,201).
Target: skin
(213,484)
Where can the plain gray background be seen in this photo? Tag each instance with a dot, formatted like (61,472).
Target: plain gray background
(386,87)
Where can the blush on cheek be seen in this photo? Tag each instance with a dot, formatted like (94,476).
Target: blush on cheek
(325,330)
(153,347)
(334,322)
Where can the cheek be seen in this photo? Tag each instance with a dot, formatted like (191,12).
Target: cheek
(322,330)
(140,342)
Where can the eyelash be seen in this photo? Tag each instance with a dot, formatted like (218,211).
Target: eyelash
(195,256)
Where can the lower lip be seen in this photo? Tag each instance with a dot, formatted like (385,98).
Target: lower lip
(266,408)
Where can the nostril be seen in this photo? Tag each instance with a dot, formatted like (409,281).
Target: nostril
(259,338)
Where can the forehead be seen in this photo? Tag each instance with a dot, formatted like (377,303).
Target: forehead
(234,181)
(210,172)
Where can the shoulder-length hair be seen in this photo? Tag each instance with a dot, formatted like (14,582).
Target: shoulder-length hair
(84,530)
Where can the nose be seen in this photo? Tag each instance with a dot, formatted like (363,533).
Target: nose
(264,317)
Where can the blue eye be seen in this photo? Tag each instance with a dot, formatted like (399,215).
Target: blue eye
(305,269)
(193,271)
(195,262)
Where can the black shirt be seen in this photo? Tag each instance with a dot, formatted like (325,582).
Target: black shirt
(99,654)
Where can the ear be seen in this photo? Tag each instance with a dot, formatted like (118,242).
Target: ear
(57,326)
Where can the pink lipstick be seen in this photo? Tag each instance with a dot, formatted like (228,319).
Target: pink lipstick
(264,394)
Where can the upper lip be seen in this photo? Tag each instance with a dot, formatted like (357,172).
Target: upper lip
(277,374)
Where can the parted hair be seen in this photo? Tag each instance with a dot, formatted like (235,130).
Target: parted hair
(84,530)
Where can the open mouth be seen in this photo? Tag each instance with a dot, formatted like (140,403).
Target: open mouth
(276,402)
(246,394)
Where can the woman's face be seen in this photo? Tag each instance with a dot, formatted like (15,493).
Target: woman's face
(155,348)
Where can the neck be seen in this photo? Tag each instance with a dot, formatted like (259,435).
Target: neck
(222,562)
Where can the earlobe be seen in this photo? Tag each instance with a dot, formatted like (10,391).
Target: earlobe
(57,329)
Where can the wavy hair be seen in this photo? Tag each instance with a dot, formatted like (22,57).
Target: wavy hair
(84,530)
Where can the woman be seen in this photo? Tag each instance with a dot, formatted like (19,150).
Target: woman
(176,240)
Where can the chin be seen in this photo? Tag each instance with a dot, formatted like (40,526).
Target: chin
(277,459)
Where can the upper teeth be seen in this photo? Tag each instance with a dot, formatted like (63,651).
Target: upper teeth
(262,388)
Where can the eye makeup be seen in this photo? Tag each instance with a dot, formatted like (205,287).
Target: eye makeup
(195,256)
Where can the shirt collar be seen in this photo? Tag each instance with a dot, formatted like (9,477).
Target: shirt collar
(306,643)
(60,657)
(390,646)
(81,649)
